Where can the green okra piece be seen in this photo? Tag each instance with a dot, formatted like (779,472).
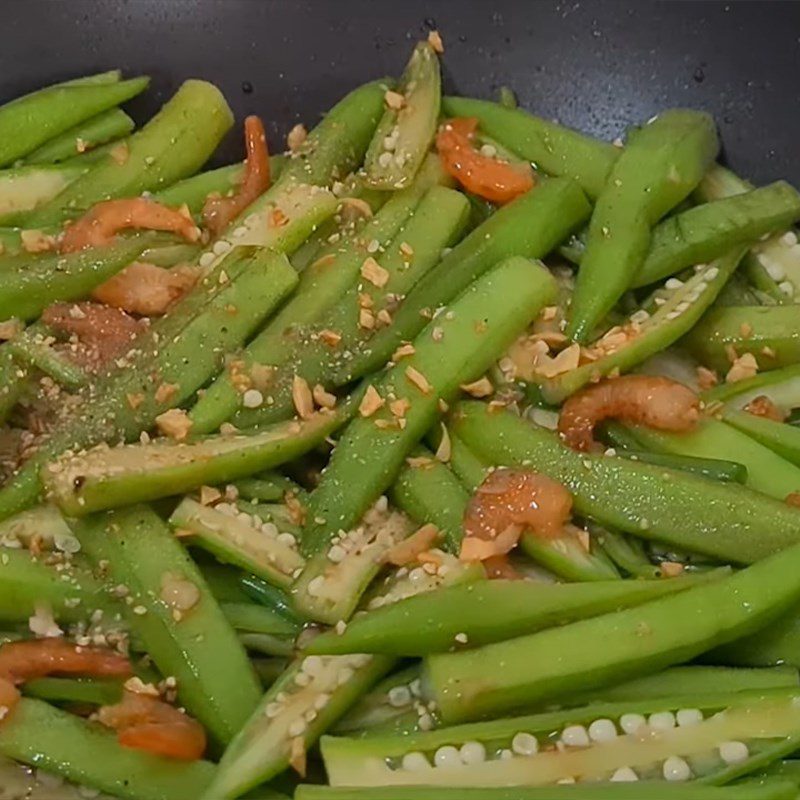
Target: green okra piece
(404,135)
(688,512)
(551,664)
(236,539)
(29,284)
(779,437)
(436,222)
(337,145)
(788,769)
(22,189)
(174,144)
(183,349)
(530,226)
(603,744)
(772,789)
(452,350)
(767,471)
(269,487)
(194,191)
(698,680)
(772,336)
(137,472)
(564,555)
(28,584)
(663,162)
(28,122)
(85,136)
(781,386)
(551,147)
(708,231)
(429,491)
(94,691)
(45,525)
(625,551)
(38,734)
(322,286)
(263,747)
(471,615)
(196,645)
(773,265)
(389,707)
(716,469)
(33,348)
(255,618)
(678,308)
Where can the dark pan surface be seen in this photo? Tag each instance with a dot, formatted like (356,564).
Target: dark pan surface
(595,65)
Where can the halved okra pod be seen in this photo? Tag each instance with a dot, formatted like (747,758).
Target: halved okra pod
(551,664)
(22,189)
(686,511)
(174,613)
(658,741)
(404,134)
(28,122)
(663,162)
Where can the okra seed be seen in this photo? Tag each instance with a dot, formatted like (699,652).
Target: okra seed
(711,273)
(252,398)
(399,696)
(630,723)
(447,756)
(415,762)
(602,730)
(733,752)
(239,232)
(287,539)
(425,722)
(662,721)
(315,586)
(506,755)
(313,665)
(302,679)
(207,259)
(575,736)
(789,238)
(416,575)
(624,775)
(525,744)
(689,716)
(416,687)
(673,283)
(786,287)
(273,709)
(297,727)
(676,769)
(472,753)
(221,247)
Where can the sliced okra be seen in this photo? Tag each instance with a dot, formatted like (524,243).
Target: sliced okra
(712,739)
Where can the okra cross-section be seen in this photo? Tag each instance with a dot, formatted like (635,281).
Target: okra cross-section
(711,739)
(591,653)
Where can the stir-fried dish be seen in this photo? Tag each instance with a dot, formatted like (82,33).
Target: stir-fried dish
(450,453)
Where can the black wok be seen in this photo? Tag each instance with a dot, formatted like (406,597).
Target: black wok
(597,66)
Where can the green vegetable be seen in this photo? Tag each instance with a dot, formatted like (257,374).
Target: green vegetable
(436,222)
(599,741)
(716,469)
(94,691)
(28,122)
(456,347)
(770,333)
(105,127)
(29,284)
(130,473)
(661,165)
(322,285)
(688,512)
(708,231)
(485,611)
(404,135)
(551,147)
(23,189)
(41,735)
(766,472)
(777,436)
(428,491)
(33,348)
(175,615)
(234,538)
(172,145)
